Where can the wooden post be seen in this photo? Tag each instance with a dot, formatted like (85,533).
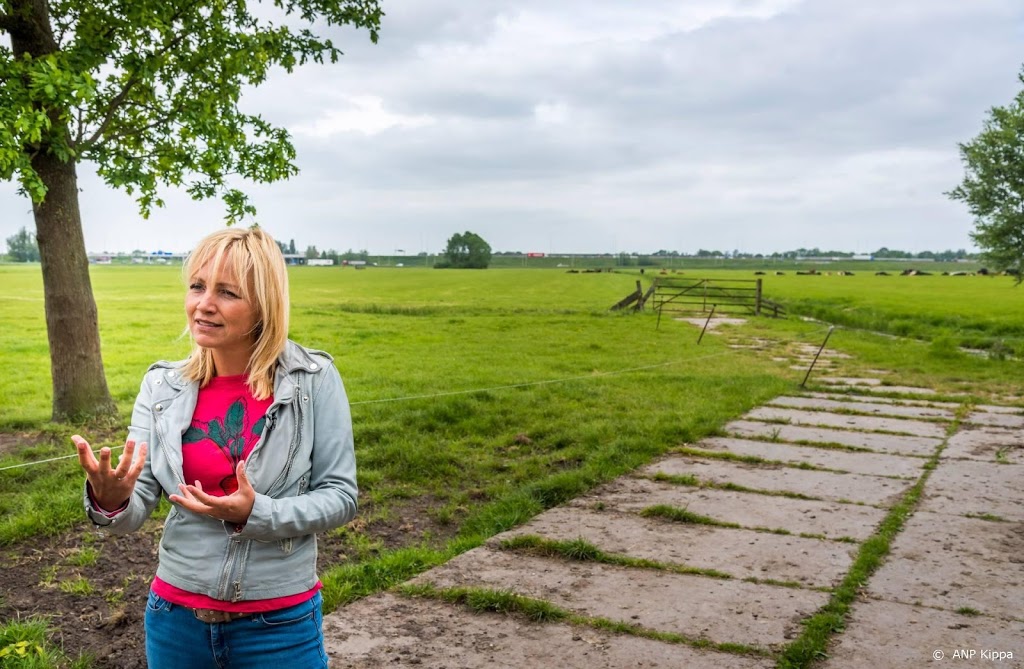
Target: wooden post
(706,323)
(808,374)
(757,299)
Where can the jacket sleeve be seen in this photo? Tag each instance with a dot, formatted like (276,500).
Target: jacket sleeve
(146,494)
(332,491)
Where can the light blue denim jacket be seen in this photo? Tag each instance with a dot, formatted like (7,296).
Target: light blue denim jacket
(303,470)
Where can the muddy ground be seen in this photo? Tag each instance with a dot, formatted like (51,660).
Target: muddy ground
(45,577)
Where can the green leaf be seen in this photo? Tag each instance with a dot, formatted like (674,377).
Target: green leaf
(193,435)
(235,420)
(257,428)
(217,433)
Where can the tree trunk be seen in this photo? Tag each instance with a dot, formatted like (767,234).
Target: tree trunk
(76,365)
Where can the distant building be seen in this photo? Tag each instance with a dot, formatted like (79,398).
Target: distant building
(320,262)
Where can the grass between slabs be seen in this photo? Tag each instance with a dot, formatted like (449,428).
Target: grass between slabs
(691,480)
(580,550)
(678,515)
(751,459)
(812,645)
(991,517)
(481,600)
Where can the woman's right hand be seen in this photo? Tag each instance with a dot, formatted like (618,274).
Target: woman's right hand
(111,486)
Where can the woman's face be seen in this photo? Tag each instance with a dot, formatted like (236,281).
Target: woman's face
(219,318)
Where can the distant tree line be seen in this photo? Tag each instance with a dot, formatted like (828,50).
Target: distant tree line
(947,255)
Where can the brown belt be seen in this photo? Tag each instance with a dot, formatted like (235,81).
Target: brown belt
(211,616)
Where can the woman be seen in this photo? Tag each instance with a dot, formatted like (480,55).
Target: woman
(250,438)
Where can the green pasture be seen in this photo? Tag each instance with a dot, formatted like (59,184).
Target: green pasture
(495,380)
(481,398)
(978,311)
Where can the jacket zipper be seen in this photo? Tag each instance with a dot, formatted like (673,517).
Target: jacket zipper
(293,447)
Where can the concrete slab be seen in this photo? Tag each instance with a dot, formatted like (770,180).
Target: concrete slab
(964,487)
(388,630)
(952,562)
(995,419)
(917,428)
(812,350)
(874,464)
(821,485)
(872,408)
(751,510)
(895,390)
(989,444)
(848,381)
(882,443)
(761,555)
(720,610)
(897,636)
(876,399)
(996,408)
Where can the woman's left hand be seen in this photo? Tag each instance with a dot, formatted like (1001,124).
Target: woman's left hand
(234,508)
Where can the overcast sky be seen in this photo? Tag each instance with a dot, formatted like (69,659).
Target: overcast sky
(605,126)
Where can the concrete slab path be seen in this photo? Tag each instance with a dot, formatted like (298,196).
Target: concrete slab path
(765,544)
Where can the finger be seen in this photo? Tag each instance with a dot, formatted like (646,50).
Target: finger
(139,464)
(187,503)
(124,462)
(105,459)
(197,493)
(85,455)
(242,476)
(186,499)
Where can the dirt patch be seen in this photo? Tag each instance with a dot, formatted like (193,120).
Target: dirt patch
(12,441)
(91,586)
(39,578)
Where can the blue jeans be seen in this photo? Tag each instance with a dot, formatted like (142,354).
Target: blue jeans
(291,637)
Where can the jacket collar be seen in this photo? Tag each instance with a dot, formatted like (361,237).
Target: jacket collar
(294,358)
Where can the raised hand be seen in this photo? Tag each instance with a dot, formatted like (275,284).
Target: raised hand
(111,486)
(234,508)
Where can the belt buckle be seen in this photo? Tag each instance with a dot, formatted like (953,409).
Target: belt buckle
(211,616)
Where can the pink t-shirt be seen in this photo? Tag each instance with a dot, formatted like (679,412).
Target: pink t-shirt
(226,425)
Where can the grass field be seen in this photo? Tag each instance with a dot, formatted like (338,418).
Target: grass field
(481,398)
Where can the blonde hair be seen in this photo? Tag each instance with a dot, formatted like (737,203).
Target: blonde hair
(257,262)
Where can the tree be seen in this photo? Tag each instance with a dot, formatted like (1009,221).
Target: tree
(467,251)
(22,247)
(311,252)
(149,92)
(993,186)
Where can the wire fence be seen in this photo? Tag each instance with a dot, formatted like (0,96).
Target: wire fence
(508,386)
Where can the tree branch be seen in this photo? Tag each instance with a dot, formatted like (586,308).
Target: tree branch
(8,23)
(118,100)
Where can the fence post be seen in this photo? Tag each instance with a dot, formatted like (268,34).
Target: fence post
(706,323)
(757,299)
(808,374)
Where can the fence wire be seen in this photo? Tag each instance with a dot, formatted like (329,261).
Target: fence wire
(509,386)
